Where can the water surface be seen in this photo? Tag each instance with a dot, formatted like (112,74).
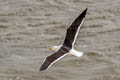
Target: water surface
(29,27)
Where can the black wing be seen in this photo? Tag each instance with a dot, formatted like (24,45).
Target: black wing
(73,30)
(52,59)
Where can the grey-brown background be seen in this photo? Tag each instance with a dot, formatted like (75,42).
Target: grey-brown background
(29,27)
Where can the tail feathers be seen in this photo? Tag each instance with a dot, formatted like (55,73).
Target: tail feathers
(76,53)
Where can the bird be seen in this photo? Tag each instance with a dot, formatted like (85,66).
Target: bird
(67,47)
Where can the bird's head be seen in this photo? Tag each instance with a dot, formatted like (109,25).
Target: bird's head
(55,48)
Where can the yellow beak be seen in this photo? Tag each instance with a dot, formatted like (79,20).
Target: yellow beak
(50,49)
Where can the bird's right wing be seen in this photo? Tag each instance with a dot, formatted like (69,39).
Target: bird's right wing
(73,30)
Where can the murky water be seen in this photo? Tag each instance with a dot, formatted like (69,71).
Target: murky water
(29,27)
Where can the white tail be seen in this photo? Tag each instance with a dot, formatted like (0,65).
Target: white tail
(76,53)
(72,51)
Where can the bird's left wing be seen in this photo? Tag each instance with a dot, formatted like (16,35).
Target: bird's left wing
(52,59)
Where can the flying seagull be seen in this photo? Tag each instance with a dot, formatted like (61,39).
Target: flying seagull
(67,48)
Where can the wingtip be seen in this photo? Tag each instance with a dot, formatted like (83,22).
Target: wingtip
(85,11)
(45,65)
(42,69)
